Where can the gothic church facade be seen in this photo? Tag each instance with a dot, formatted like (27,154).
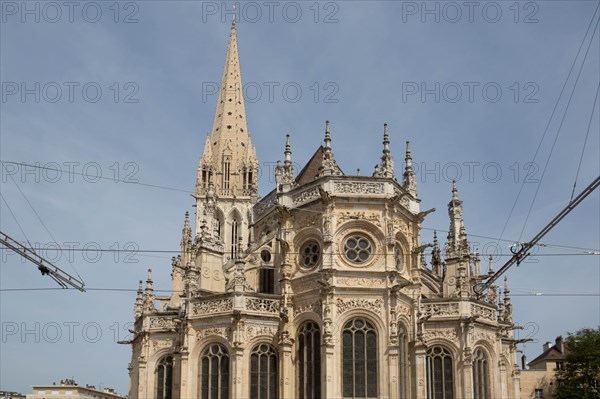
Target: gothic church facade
(320,289)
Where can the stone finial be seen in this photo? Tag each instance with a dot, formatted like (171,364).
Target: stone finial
(149,286)
(138,308)
(376,171)
(186,233)
(507,304)
(327,136)
(328,166)
(457,244)
(409,181)
(284,173)
(436,258)
(477,264)
(288,152)
(387,161)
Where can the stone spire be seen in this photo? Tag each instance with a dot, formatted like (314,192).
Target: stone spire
(387,161)
(149,294)
(186,233)
(284,174)
(477,264)
(229,158)
(329,166)
(436,258)
(409,181)
(457,244)
(507,304)
(138,308)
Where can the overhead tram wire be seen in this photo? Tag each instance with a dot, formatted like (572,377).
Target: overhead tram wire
(551,116)
(98,177)
(559,129)
(42,223)
(142,252)
(523,251)
(16,220)
(585,141)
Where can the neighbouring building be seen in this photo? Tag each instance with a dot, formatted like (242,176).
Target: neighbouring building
(11,395)
(321,288)
(68,389)
(538,377)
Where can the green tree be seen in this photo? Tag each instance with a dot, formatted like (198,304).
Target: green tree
(580,376)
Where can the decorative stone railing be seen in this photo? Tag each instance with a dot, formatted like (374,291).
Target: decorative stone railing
(212,306)
(162,323)
(252,303)
(263,305)
(265,204)
(484,312)
(441,309)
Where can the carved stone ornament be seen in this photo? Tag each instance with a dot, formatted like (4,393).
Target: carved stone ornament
(358,188)
(484,312)
(213,306)
(254,331)
(403,310)
(446,332)
(263,305)
(362,281)
(308,221)
(265,204)
(162,343)
(478,334)
(162,322)
(305,286)
(368,216)
(343,305)
(440,309)
(221,331)
(305,196)
(314,307)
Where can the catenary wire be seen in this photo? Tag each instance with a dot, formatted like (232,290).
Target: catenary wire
(585,141)
(98,177)
(551,118)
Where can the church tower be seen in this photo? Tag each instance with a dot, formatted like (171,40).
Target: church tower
(226,183)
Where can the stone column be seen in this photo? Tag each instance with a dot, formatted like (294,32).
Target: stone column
(330,375)
(393,375)
(286,367)
(177,375)
(237,373)
(419,374)
(184,380)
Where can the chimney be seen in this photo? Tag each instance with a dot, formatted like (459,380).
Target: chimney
(547,346)
(560,344)
(524,362)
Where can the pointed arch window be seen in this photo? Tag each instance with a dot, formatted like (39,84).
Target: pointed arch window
(309,361)
(359,359)
(234,237)
(480,375)
(263,372)
(214,373)
(440,375)
(226,173)
(164,378)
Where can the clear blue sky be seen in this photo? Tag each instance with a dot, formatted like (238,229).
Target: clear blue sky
(473,89)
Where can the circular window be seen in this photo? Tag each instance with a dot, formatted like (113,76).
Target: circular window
(310,254)
(358,248)
(265,255)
